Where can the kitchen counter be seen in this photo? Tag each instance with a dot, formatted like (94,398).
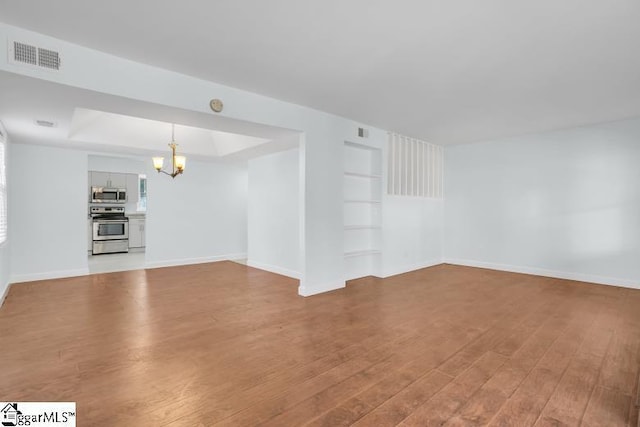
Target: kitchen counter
(140,215)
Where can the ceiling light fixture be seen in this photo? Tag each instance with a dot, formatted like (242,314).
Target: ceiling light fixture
(177,162)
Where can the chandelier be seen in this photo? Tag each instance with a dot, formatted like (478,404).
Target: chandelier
(177,162)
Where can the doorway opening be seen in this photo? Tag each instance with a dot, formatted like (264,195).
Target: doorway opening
(116,213)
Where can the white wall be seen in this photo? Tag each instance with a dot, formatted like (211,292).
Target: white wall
(563,203)
(577,216)
(412,233)
(273,213)
(5,265)
(5,248)
(413,230)
(48,212)
(199,216)
(322,135)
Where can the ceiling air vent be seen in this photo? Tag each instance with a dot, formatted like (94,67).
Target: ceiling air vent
(48,59)
(46,123)
(25,53)
(29,54)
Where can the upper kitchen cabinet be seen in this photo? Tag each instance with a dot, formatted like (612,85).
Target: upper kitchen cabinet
(133,187)
(99,179)
(108,179)
(118,180)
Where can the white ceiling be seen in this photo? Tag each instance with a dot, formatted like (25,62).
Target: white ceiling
(99,127)
(98,122)
(444,70)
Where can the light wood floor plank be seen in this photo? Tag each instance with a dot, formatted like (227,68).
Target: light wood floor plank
(606,408)
(526,404)
(566,405)
(445,403)
(226,344)
(487,401)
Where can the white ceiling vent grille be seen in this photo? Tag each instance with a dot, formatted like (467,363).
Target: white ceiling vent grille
(46,123)
(29,54)
(48,59)
(25,53)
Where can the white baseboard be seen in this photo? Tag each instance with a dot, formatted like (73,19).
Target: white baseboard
(580,277)
(405,269)
(189,261)
(274,269)
(18,278)
(306,290)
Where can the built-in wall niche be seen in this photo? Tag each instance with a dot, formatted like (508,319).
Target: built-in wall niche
(362,209)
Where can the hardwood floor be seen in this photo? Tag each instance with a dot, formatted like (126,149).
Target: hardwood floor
(226,344)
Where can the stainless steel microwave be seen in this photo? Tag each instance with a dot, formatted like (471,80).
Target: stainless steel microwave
(108,195)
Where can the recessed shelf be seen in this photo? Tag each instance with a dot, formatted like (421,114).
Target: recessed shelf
(362,197)
(362,201)
(362,227)
(362,175)
(362,253)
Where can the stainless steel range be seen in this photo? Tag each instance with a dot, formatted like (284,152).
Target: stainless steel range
(110,230)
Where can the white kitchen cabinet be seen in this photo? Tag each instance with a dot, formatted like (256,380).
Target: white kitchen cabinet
(108,179)
(136,232)
(132,187)
(99,179)
(117,180)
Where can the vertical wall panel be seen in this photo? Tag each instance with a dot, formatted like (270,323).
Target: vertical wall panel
(405,166)
(421,170)
(415,168)
(434,167)
(390,169)
(441,170)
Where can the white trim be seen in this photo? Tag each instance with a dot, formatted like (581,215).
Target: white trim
(188,261)
(4,294)
(580,277)
(306,291)
(274,269)
(57,274)
(405,269)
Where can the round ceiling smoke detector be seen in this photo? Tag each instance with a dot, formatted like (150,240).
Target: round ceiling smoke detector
(216,105)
